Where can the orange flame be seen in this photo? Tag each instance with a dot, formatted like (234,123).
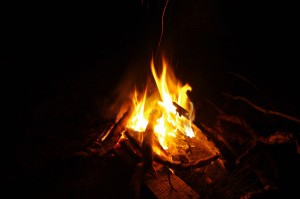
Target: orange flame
(177,113)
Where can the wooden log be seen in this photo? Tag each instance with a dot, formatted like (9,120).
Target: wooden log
(187,166)
(166,185)
(147,144)
(173,165)
(134,153)
(162,184)
(112,137)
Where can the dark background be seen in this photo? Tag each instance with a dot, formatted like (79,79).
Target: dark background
(85,50)
(44,47)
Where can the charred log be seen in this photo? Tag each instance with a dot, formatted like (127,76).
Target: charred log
(187,166)
(113,136)
(147,144)
(173,165)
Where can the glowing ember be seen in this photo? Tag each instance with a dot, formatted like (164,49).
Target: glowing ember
(170,98)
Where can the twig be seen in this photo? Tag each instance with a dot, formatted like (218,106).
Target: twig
(265,111)
(217,136)
(240,122)
(169,179)
(245,79)
(213,105)
(238,160)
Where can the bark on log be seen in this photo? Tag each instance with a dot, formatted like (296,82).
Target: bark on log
(147,144)
(112,137)
(173,165)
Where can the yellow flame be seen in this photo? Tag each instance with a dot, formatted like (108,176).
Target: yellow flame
(172,126)
(138,121)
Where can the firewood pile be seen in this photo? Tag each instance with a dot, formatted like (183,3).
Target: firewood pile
(241,163)
(242,150)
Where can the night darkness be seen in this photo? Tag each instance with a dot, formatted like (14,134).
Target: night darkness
(56,52)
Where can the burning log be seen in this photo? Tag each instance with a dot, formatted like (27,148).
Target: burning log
(163,184)
(181,111)
(132,151)
(112,136)
(173,165)
(147,144)
(187,166)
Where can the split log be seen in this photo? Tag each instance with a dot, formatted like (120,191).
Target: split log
(173,165)
(166,185)
(187,166)
(163,184)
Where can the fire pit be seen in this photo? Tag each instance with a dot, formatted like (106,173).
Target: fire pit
(155,127)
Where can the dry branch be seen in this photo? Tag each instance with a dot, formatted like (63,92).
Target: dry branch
(239,122)
(265,111)
(216,135)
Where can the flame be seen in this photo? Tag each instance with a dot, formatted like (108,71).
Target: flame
(177,113)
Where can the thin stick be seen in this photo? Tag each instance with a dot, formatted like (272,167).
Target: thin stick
(265,111)
(240,122)
(213,105)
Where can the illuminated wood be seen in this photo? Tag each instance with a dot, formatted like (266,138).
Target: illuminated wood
(166,185)
(107,144)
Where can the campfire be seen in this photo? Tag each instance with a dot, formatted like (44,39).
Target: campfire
(155,126)
(91,115)
(160,120)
